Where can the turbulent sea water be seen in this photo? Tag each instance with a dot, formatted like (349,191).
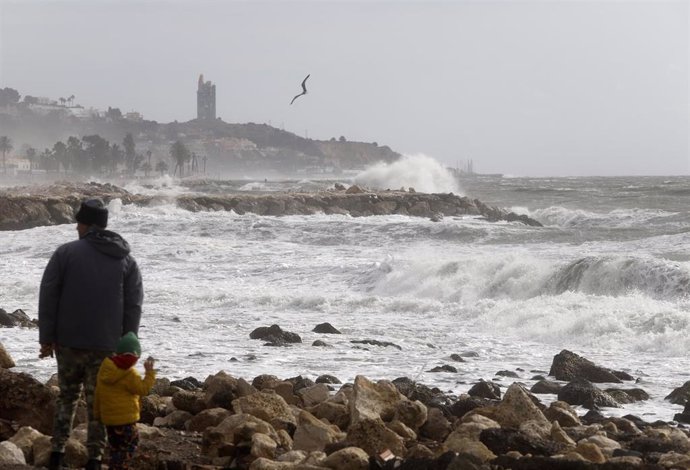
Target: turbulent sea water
(606,277)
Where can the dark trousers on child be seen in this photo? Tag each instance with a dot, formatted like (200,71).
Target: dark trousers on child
(122,442)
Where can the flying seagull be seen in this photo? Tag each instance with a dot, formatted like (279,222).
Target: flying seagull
(304,89)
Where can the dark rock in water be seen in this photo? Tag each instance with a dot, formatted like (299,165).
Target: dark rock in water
(327,379)
(457,358)
(444,368)
(503,440)
(631,395)
(683,417)
(275,335)
(569,366)
(513,217)
(507,373)
(680,395)
(374,342)
(546,386)
(585,393)
(188,383)
(538,377)
(16,318)
(485,389)
(326,328)
(339,187)
(320,344)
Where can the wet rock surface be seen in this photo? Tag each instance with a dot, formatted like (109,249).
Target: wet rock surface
(28,207)
(298,423)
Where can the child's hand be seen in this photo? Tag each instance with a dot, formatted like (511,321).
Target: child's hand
(148,364)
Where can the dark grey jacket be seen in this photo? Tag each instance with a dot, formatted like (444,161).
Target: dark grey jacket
(91,293)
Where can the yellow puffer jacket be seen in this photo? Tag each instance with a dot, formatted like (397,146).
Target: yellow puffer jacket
(116,401)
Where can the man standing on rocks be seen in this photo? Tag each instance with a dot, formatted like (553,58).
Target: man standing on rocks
(91,294)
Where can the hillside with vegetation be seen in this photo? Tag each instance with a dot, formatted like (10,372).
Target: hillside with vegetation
(59,136)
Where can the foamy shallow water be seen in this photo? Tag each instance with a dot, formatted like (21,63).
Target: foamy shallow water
(513,294)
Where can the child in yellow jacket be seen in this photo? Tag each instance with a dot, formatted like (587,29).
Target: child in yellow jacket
(116,402)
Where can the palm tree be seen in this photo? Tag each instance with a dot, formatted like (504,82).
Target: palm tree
(71,100)
(5,146)
(162,167)
(31,155)
(63,101)
(179,153)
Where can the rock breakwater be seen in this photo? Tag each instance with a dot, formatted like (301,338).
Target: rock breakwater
(297,423)
(28,207)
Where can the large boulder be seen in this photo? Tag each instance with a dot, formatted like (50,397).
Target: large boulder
(583,392)
(207,419)
(627,395)
(193,402)
(516,408)
(312,434)
(476,450)
(484,389)
(349,458)
(503,440)
(372,435)
(326,328)
(570,366)
(232,430)
(373,400)
(268,406)
(222,389)
(334,413)
(6,361)
(562,413)
(314,395)
(26,401)
(10,454)
(437,426)
(24,439)
(412,413)
(16,318)
(275,335)
(680,395)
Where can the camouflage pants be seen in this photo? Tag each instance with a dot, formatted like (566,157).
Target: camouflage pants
(77,367)
(122,443)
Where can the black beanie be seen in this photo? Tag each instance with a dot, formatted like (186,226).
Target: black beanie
(92,212)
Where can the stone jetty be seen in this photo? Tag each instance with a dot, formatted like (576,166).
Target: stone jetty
(33,206)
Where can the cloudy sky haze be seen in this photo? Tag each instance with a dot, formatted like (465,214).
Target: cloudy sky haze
(524,88)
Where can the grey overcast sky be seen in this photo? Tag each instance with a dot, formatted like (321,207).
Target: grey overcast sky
(569,87)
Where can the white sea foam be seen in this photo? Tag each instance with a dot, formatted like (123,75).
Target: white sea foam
(516,295)
(420,172)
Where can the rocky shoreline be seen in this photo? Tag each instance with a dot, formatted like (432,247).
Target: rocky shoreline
(35,206)
(300,423)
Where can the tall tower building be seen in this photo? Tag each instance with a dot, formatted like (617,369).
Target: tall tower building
(205,100)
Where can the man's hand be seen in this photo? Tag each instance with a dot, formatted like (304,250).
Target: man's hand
(47,350)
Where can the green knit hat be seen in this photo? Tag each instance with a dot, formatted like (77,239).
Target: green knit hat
(129,344)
